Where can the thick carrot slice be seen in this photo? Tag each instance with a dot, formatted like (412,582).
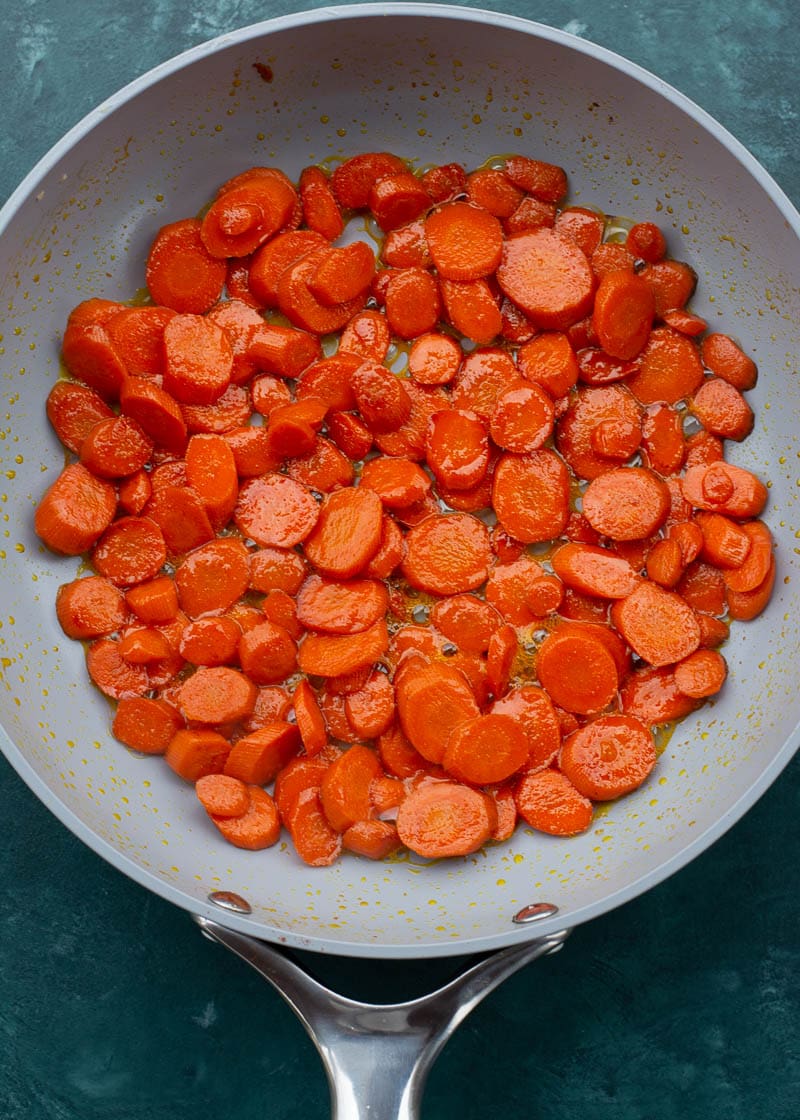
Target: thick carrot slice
(611,256)
(345,788)
(623,312)
(467,621)
(548,276)
(724,488)
(373,839)
(213,577)
(131,550)
(243,217)
(181,516)
(257,828)
(464,240)
(334,655)
(725,542)
(198,360)
(703,588)
(398,757)
(471,308)
(344,273)
(397,482)
(155,601)
(447,553)
(523,418)
(722,410)
(382,400)
(545,181)
(194,752)
(366,333)
(664,564)
(663,442)
(390,552)
(442,819)
(500,657)
(321,211)
(301,307)
(412,304)
(726,359)
(652,696)
(134,492)
(532,213)
(444,181)
(406,246)
(658,625)
(530,495)
(577,671)
(180,273)
(73,410)
(316,842)
(597,417)
(351,181)
(486,749)
(267,653)
(532,710)
(274,510)
(584,226)
(341,607)
(145,724)
(217,695)
(549,361)
(210,641)
(747,605)
(397,198)
(434,358)
(701,674)
(483,376)
(347,533)
(408,440)
(156,412)
(432,700)
(626,503)
(370,710)
(257,758)
(594,570)
(90,607)
(272,703)
(549,802)
(669,370)
(323,469)
(222,796)
(211,472)
(137,334)
(491,189)
(273,258)
(672,282)
(646,241)
(350,435)
(755,567)
(457,449)
(609,757)
(75,511)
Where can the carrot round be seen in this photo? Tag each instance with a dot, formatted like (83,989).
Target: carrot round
(434,358)
(345,788)
(432,700)
(470,307)
(577,671)
(274,257)
(523,418)
(258,757)
(370,710)
(131,550)
(701,674)
(180,273)
(464,240)
(257,828)
(726,359)
(217,695)
(457,449)
(381,397)
(222,796)
(548,276)
(156,412)
(626,503)
(274,510)
(198,359)
(145,724)
(657,624)
(722,410)
(334,655)
(594,570)
(467,621)
(341,606)
(447,554)
(444,819)
(374,839)
(669,370)
(267,653)
(73,410)
(347,533)
(90,607)
(397,482)
(532,710)
(754,568)
(724,488)
(412,304)
(747,605)
(321,211)
(316,842)
(623,312)
(213,577)
(549,802)
(244,216)
(609,757)
(486,749)
(75,511)
(194,752)
(530,495)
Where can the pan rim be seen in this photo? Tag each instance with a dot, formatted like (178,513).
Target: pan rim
(151,880)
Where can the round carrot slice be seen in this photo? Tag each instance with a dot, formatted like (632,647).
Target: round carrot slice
(397,482)
(609,757)
(594,570)
(347,533)
(657,624)
(444,819)
(131,550)
(217,695)
(213,577)
(181,273)
(624,306)
(457,449)
(627,503)
(447,553)
(530,495)
(467,621)
(523,418)
(257,828)
(274,510)
(670,369)
(341,607)
(465,241)
(432,699)
(485,750)
(578,672)
(549,802)
(532,710)
(548,276)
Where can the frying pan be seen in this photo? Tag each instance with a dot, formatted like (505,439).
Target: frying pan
(433,83)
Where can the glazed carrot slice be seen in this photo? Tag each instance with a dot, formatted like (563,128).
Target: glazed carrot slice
(726,359)
(664,564)
(549,802)
(75,511)
(722,410)
(549,361)
(578,672)
(267,653)
(181,516)
(301,307)
(670,369)
(755,567)
(370,710)
(180,272)
(257,828)
(272,703)
(609,757)
(433,699)
(486,749)
(408,441)
(672,282)
(211,472)
(309,718)
(198,360)
(532,213)
(548,276)
(73,410)
(145,724)
(243,217)
(412,304)
(652,696)
(343,273)
(321,211)
(611,256)
(347,533)
(345,788)
(293,427)
(523,418)
(491,189)
(532,710)
(210,641)
(657,624)
(156,412)
(216,695)
(627,503)
(484,374)
(154,601)
(397,482)
(447,554)
(315,841)
(584,226)
(398,757)
(335,655)
(276,569)
(598,419)
(390,552)
(724,488)
(465,241)
(471,308)
(256,758)
(273,258)
(467,621)
(222,796)
(725,542)
(457,449)
(341,607)
(663,443)
(544,180)
(274,510)
(444,819)
(703,587)
(530,495)
(623,312)
(594,570)
(406,246)
(701,674)
(324,468)
(444,181)
(131,550)
(373,839)
(747,605)
(382,400)
(351,181)
(134,492)
(137,335)
(434,358)
(646,241)
(90,607)
(212,577)
(397,198)
(350,434)
(194,752)
(231,410)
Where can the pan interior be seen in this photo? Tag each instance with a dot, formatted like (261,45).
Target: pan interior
(433,84)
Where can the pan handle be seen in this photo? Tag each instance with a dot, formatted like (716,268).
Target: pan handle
(377,1056)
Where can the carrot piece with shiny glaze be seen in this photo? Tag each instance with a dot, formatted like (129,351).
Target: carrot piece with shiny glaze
(444,819)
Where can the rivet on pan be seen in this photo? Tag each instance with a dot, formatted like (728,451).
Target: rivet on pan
(535,912)
(229,900)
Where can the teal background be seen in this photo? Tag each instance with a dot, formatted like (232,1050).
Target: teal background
(683,1003)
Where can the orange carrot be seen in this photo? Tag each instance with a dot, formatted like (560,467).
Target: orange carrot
(343,274)
(724,488)
(412,304)
(73,410)
(627,503)
(457,449)
(243,216)
(334,655)
(397,482)
(670,369)
(181,274)
(609,757)
(145,724)
(530,495)
(256,758)
(194,752)
(75,511)
(267,653)
(274,257)
(486,749)
(274,510)
(577,671)
(523,418)
(532,710)
(545,181)
(309,718)
(701,674)
(321,211)
(584,226)
(213,577)
(257,828)
(222,796)
(754,569)
(467,621)
(657,624)
(372,839)
(345,788)
(434,358)
(491,189)
(90,607)
(444,819)
(725,359)
(156,412)
(341,607)
(347,533)
(432,700)
(652,696)
(217,695)
(471,308)
(382,400)
(623,313)
(397,198)
(464,240)
(447,553)
(594,571)
(549,361)
(722,410)
(549,802)
(548,276)
(197,360)
(747,605)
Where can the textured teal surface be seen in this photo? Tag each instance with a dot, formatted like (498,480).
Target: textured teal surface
(684,1003)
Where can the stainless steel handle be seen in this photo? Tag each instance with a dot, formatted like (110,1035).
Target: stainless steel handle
(377,1056)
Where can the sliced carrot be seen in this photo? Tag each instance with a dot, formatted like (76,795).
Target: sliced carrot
(663,442)
(594,570)
(755,567)
(685,322)
(406,246)
(434,358)
(747,605)
(444,819)
(467,621)
(722,410)
(713,631)
(345,788)
(75,511)
(73,410)
(577,671)
(398,757)
(157,413)
(703,587)
(626,503)
(373,839)
(154,601)
(293,427)
(484,374)
(181,516)
(244,216)
(321,211)
(464,240)
(447,554)
(486,749)
(412,305)
(180,273)
(352,180)
(274,510)
(491,189)
(316,842)
(530,495)
(324,468)
(257,758)
(301,307)
(267,653)
(548,276)
(366,333)
(724,488)
(726,359)
(198,359)
(523,418)
(457,449)
(657,624)
(584,226)
(134,492)
(382,400)
(273,258)
(609,757)
(347,533)
(544,180)
(532,710)
(350,434)
(334,655)
(145,724)
(432,700)
(652,696)
(309,718)
(217,695)
(670,369)
(672,282)
(471,308)
(194,752)
(137,335)
(664,564)
(549,802)
(408,440)
(390,552)
(532,213)
(444,181)
(397,198)
(549,361)
(257,828)
(276,569)
(344,273)
(397,482)
(210,641)
(701,674)
(725,542)
(231,410)
(211,472)
(213,577)
(624,307)
(606,409)
(272,703)
(341,607)
(222,796)
(646,241)
(131,550)
(90,607)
